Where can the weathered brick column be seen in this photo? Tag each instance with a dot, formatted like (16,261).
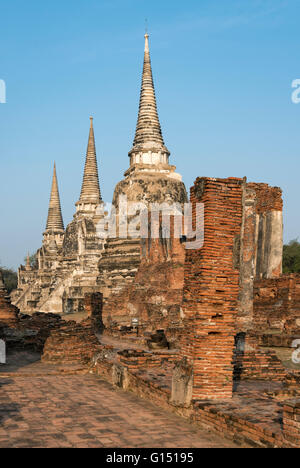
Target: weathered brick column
(291,421)
(93,305)
(8,312)
(211,288)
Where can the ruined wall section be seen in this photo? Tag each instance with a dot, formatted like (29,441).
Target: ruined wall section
(158,292)
(247,258)
(155,295)
(277,306)
(260,245)
(269,230)
(144,184)
(260,257)
(8,312)
(211,288)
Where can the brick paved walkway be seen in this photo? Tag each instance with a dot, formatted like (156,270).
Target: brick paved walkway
(39,407)
(85,411)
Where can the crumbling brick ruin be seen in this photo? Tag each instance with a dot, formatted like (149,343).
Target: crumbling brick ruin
(204,329)
(277,308)
(8,313)
(211,288)
(155,296)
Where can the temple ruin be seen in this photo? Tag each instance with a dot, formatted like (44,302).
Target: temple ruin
(200,330)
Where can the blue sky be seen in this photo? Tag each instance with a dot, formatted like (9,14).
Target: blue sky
(223,72)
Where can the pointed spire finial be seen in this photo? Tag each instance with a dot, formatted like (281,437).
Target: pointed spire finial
(55,220)
(146,36)
(90,190)
(147,43)
(28,266)
(148,135)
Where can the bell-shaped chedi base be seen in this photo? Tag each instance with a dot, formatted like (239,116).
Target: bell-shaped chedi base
(8,312)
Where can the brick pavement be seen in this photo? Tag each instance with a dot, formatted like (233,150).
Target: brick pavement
(85,411)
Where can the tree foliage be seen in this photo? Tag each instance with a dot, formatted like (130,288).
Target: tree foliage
(10,278)
(32,260)
(291,257)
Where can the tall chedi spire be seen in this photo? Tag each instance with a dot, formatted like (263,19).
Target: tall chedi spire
(55,224)
(90,196)
(28,266)
(55,220)
(148,146)
(150,178)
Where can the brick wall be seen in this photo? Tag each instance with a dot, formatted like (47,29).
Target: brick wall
(258,365)
(93,305)
(136,359)
(268,198)
(71,343)
(277,305)
(291,421)
(155,296)
(211,287)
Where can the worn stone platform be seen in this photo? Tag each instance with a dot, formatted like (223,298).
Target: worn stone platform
(40,409)
(254,416)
